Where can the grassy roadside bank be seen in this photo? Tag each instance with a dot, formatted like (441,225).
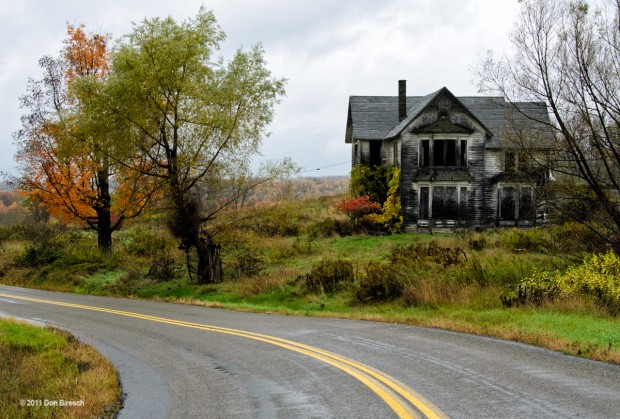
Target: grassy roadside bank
(294,260)
(48,373)
(592,335)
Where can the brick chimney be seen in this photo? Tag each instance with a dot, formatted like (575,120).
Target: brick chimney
(402,99)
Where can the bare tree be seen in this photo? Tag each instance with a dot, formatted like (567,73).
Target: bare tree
(567,55)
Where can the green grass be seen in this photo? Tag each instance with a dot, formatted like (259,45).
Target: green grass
(20,336)
(95,284)
(41,364)
(464,296)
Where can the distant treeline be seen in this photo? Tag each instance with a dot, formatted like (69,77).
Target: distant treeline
(303,188)
(11,209)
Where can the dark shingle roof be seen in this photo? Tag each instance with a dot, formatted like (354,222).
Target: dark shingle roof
(376,117)
(372,117)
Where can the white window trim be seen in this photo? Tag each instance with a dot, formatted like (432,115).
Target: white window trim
(444,137)
(431,186)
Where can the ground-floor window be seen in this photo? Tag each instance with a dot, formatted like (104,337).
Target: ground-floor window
(442,202)
(516,203)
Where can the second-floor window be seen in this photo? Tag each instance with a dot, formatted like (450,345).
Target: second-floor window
(515,161)
(443,153)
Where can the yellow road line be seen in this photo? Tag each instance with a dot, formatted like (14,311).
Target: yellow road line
(394,394)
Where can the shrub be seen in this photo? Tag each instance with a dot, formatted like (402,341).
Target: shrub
(477,242)
(35,256)
(371,181)
(536,289)
(518,240)
(37,233)
(329,227)
(163,268)
(147,242)
(303,246)
(391,211)
(416,253)
(280,220)
(470,272)
(358,208)
(323,228)
(429,292)
(5,234)
(598,277)
(575,239)
(330,275)
(380,282)
(249,263)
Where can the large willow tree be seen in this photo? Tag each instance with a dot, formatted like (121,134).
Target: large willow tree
(196,118)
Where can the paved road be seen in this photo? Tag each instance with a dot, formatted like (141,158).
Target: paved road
(179,361)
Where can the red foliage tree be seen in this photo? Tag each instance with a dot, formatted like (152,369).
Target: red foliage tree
(63,151)
(357,208)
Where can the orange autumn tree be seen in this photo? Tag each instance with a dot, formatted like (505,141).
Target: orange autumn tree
(68,149)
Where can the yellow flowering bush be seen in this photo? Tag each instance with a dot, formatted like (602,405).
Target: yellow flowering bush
(598,277)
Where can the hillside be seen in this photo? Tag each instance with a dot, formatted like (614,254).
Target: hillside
(304,257)
(300,188)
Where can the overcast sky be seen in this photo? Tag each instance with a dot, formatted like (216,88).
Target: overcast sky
(327,49)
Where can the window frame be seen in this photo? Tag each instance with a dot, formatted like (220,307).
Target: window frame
(520,192)
(427,190)
(438,151)
(516,161)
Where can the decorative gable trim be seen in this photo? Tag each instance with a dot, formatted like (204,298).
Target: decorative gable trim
(442,125)
(444,100)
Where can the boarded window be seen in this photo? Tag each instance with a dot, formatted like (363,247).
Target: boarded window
(425,156)
(526,204)
(375,153)
(516,203)
(463,204)
(439,152)
(443,153)
(451,204)
(445,203)
(423,212)
(438,202)
(463,153)
(507,204)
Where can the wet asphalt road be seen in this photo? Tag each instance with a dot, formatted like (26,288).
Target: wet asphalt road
(168,371)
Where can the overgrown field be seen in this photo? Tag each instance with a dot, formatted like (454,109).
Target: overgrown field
(48,373)
(540,286)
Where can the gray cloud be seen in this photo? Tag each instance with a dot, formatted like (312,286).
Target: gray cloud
(328,50)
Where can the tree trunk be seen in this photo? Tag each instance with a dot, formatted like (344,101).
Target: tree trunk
(209,266)
(104,239)
(104,223)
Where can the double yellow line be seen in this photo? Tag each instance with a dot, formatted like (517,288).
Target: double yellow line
(401,399)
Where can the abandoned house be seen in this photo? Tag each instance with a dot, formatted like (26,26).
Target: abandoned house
(464,161)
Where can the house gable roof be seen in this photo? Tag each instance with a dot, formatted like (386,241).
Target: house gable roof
(426,103)
(372,117)
(375,118)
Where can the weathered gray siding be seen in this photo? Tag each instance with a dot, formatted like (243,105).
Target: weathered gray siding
(446,122)
(409,164)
